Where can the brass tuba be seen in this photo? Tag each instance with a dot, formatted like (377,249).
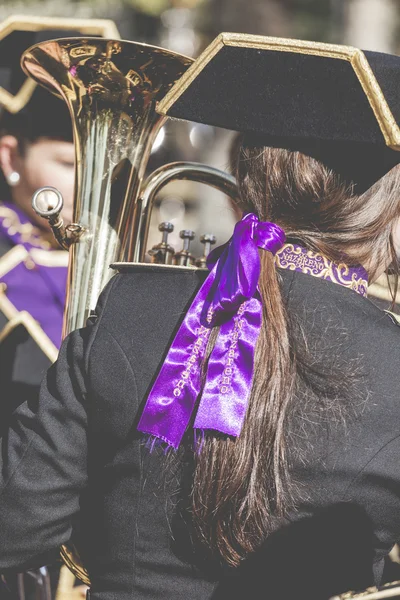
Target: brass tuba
(111,88)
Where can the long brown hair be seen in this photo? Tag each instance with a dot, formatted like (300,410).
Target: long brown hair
(241,487)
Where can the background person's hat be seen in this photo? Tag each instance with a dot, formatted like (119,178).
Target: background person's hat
(24,105)
(336,103)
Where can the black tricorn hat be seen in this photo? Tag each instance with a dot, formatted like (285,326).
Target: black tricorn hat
(24,104)
(336,103)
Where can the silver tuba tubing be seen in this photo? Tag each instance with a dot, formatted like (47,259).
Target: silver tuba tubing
(192,171)
(111,89)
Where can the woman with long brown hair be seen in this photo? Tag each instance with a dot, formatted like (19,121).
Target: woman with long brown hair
(210,431)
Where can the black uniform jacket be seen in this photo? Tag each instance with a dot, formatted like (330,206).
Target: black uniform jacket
(73,463)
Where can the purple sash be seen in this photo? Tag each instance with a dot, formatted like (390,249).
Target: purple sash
(229,298)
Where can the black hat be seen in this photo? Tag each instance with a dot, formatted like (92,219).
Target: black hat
(336,103)
(25,106)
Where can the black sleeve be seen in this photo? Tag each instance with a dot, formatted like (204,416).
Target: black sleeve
(43,463)
(44,459)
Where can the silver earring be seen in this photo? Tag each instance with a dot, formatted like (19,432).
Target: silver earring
(13,178)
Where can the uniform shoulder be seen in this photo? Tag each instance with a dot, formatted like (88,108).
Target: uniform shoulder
(143,294)
(163,281)
(325,306)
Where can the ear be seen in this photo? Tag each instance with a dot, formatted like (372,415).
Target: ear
(9,155)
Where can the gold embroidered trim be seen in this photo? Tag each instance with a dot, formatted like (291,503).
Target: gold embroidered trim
(387,123)
(316,264)
(29,233)
(31,325)
(16,103)
(36,256)
(8,309)
(49,258)
(12,259)
(100,27)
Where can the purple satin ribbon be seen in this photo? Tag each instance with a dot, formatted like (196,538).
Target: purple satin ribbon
(229,298)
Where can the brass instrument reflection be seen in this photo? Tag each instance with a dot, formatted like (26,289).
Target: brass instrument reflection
(112,89)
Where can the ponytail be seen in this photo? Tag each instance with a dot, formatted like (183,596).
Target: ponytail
(242,487)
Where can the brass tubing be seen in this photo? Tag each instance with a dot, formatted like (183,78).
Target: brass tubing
(158,179)
(111,88)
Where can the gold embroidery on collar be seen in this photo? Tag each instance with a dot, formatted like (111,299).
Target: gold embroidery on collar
(12,259)
(316,264)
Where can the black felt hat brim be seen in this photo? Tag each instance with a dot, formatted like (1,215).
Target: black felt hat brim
(324,99)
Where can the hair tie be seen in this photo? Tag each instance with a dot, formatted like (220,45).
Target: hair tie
(230,298)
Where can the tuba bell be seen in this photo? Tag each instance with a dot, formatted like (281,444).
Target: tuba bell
(111,88)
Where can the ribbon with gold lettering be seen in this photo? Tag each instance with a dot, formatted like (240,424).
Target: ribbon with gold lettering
(229,298)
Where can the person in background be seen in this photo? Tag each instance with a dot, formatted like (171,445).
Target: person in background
(36,150)
(235,434)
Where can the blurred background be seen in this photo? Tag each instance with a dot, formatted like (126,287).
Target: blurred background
(187,26)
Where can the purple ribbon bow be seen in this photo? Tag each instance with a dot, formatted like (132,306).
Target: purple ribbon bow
(229,297)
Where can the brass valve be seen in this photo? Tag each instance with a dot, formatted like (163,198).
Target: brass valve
(184,257)
(163,253)
(208,240)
